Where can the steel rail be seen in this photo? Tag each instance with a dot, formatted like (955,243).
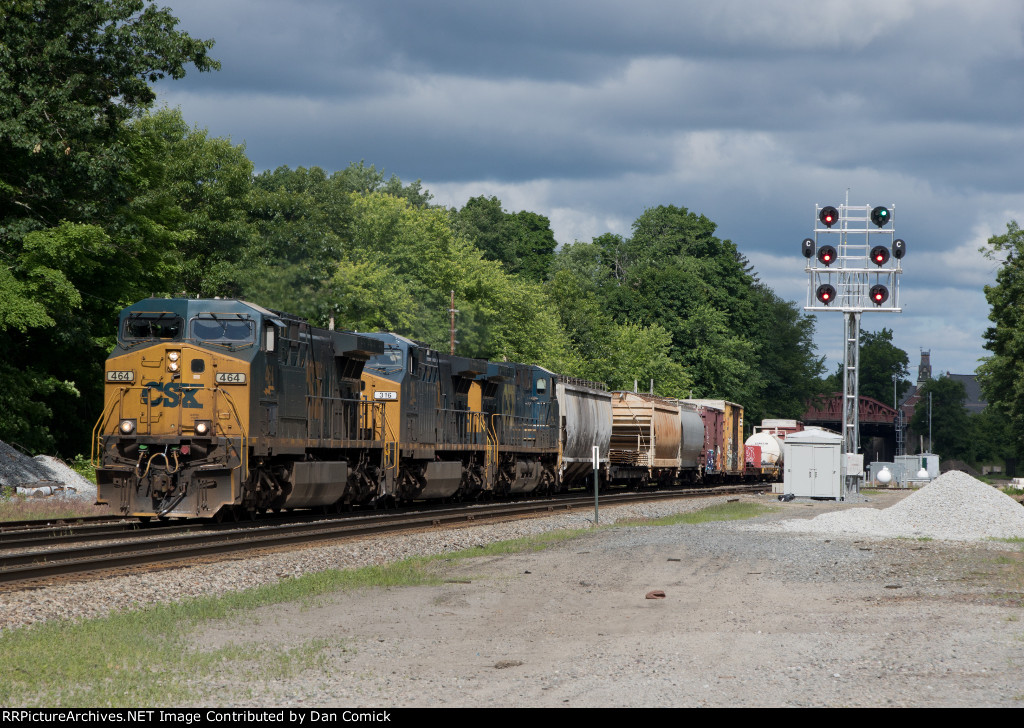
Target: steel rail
(158,547)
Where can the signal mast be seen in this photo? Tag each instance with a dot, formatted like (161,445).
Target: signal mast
(854,262)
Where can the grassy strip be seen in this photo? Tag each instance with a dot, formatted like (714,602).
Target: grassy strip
(720,512)
(147,657)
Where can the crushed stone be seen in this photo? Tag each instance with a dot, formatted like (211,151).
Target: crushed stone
(953,507)
(42,475)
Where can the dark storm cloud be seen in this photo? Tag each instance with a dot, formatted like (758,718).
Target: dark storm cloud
(590,112)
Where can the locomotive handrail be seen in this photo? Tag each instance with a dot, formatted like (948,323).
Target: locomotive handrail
(243,460)
(361,409)
(95,451)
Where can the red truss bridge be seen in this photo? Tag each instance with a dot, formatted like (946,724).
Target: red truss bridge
(875,419)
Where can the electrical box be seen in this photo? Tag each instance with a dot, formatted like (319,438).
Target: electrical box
(813,464)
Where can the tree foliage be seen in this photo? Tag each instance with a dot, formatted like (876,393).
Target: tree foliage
(71,249)
(949,425)
(880,361)
(731,336)
(522,241)
(1001,374)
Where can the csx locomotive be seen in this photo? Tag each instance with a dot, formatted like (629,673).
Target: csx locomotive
(220,408)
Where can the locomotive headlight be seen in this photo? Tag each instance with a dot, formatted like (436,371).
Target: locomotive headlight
(172,356)
(172,366)
(127,427)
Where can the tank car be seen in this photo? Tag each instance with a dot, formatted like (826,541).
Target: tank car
(222,406)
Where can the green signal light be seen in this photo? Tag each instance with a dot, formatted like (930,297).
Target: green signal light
(880,216)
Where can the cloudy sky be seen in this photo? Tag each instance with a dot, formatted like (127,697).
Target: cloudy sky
(589,112)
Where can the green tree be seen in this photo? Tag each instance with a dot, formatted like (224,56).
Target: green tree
(523,241)
(880,360)
(786,354)
(1001,374)
(993,440)
(71,74)
(731,335)
(952,435)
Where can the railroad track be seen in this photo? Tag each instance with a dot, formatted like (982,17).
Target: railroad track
(145,547)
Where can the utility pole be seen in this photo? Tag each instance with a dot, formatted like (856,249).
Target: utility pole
(451,312)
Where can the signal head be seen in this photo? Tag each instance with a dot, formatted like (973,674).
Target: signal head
(899,249)
(881,216)
(879,255)
(829,216)
(807,247)
(827,255)
(826,293)
(879,294)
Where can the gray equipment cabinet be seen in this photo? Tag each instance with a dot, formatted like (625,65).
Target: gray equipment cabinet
(812,464)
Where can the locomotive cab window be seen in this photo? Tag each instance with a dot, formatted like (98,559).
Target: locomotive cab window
(153,326)
(390,362)
(542,386)
(222,330)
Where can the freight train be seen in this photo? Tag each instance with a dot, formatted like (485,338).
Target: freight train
(219,408)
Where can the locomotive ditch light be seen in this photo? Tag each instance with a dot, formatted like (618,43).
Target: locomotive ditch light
(127,427)
(828,216)
(881,216)
(879,294)
(899,249)
(879,255)
(826,293)
(807,248)
(203,427)
(827,255)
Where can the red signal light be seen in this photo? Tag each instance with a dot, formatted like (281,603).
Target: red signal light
(879,255)
(826,293)
(879,294)
(828,216)
(827,255)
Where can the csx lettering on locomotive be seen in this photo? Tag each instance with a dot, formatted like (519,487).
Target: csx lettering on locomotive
(171,394)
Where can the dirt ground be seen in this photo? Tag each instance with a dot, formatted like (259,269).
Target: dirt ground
(749,618)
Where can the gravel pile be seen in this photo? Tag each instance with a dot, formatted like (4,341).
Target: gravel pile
(953,507)
(42,475)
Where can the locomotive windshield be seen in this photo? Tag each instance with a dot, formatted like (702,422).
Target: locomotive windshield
(390,361)
(222,330)
(152,326)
